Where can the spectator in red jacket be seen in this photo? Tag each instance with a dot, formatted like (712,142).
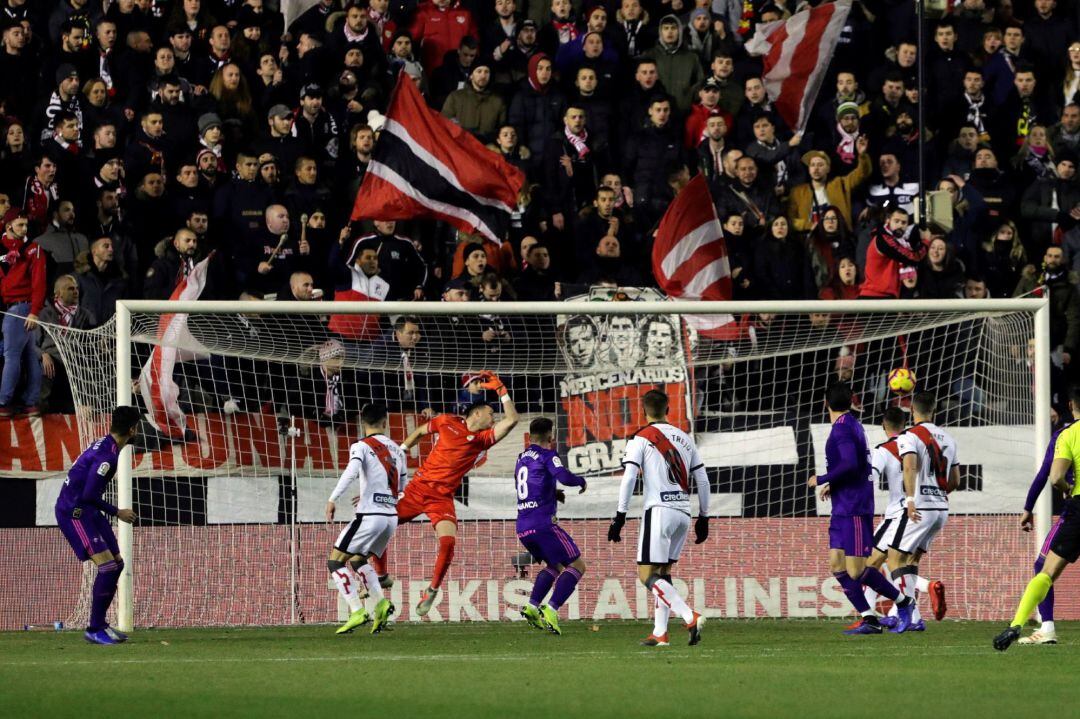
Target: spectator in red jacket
(891,248)
(439,27)
(22,290)
(708,105)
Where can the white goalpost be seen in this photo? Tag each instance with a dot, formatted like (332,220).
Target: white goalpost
(269,401)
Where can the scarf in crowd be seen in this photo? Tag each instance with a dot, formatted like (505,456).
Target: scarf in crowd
(845,149)
(578,141)
(974,112)
(332,398)
(65,312)
(105,74)
(72,148)
(351,36)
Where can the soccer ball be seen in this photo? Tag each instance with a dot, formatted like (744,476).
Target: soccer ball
(902,380)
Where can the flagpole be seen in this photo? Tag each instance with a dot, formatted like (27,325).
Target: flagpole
(920,110)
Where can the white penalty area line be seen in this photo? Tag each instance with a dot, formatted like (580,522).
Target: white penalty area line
(661,653)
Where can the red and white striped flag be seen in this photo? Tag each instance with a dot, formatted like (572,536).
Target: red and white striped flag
(690,260)
(424,165)
(797,52)
(159,391)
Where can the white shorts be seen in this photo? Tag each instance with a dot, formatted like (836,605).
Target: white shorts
(883,533)
(367,534)
(662,535)
(906,536)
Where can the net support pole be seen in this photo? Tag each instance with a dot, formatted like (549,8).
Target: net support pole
(125,595)
(294,432)
(1044,506)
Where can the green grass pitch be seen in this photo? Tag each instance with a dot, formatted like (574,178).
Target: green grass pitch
(763,668)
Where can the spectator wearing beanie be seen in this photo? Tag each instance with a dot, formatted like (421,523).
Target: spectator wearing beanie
(475,107)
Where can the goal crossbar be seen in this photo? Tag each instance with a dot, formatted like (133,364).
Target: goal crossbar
(1037,307)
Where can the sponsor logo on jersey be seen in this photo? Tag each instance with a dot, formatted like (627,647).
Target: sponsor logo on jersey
(531,504)
(674,497)
(933,492)
(384,499)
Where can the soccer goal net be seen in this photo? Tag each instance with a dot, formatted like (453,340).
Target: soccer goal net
(251,408)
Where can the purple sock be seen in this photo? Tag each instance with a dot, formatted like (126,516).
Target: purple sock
(542,585)
(877,581)
(108,575)
(854,592)
(1046,607)
(564,587)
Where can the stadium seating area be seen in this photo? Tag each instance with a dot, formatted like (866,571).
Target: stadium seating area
(139,135)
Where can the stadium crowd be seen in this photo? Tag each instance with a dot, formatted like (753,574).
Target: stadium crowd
(140,135)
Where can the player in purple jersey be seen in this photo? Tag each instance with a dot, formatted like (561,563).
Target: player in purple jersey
(1047,632)
(538,470)
(82,514)
(847,483)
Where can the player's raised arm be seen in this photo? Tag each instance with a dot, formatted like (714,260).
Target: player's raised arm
(415,436)
(510,413)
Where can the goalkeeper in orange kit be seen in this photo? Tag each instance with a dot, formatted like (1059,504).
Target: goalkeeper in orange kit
(461,445)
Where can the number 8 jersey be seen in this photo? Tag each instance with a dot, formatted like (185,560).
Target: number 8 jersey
(936,450)
(668,459)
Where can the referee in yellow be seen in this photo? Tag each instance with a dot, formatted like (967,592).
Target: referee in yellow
(1065,549)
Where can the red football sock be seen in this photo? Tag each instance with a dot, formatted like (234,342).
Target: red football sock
(442,562)
(379,562)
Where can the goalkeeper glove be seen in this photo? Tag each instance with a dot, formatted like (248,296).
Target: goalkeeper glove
(701,529)
(492,382)
(560,496)
(614,532)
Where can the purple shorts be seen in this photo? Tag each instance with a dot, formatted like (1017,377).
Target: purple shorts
(854,535)
(89,534)
(550,544)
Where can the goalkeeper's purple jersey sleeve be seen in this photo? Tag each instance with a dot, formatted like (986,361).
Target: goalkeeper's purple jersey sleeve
(89,477)
(535,477)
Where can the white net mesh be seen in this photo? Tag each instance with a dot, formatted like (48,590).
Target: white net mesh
(229,534)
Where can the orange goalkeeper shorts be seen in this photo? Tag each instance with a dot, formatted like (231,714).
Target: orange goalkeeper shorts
(416,502)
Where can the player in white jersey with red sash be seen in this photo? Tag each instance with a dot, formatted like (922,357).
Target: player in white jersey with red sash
(666,459)
(378,464)
(931,472)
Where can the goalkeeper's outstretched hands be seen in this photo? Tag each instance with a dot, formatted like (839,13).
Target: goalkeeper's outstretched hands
(490,380)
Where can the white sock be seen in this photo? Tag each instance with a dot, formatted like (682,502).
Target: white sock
(667,594)
(1047,628)
(346,584)
(922,584)
(371,579)
(662,615)
(908,585)
(871,599)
